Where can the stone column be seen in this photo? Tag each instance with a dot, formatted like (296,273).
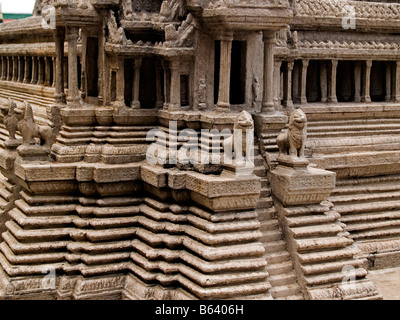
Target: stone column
(175,91)
(15,69)
(65,67)
(223,104)
(21,63)
(388,96)
(73,90)
(367,82)
(396,82)
(277,85)
(27,70)
(324,81)
(164,65)
(120,93)
(137,66)
(34,78)
(288,102)
(332,88)
(303,86)
(58,79)
(268,97)
(4,69)
(159,102)
(47,71)
(9,68)
(357,81)
(1,67)
(40,71)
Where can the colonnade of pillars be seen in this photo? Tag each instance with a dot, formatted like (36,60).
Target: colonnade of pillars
(28,69)
(288,80)
(223,104)
(168,73)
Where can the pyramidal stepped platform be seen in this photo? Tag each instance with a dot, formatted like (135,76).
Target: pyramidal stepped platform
(199,150)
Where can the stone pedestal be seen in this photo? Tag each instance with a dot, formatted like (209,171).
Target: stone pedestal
(293,182)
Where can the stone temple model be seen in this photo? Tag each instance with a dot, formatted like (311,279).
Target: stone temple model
(83,82)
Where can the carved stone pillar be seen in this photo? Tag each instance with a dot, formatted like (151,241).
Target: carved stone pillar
(396,82)
(137,66)
(367,82)
(268,97)
(388,95)
(288,102)
(175,91)
(357,81)
(120,93)
(34,78)
(332,87)
(324,81)
(159,102)
(9,68)
(303,86)
(4,68)
(47,71)
(223,104)
(58,79)
(277,85)
(15,69)
(40,71)
(73,90)
(167,79)
(21,63)
(27,70)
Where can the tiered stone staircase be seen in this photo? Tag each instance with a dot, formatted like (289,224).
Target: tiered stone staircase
(280,267)
(323,255)
(370,209)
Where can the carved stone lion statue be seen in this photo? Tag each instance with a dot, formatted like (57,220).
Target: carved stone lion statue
(243,122)
(292,141)
(10,119)
(29,129)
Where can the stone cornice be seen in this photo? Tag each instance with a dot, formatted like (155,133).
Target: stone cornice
(370,16)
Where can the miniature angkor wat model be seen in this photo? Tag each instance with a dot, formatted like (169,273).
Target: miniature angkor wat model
(114,116)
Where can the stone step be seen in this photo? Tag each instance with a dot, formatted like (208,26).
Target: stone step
(313,280)
(368,207)
(274,246)
(266,214)
(277,257)
(344,199)
(332,127)
(330,266)
(319,230)
(266,203)
(364,189)
(322,243)
(381,233)
(271,235)
(367,181)
(335,255)
(372,216)
(280,268)
(285,290)
(282,279)
(351,133)
(265,192)
(5,193)
(292,297)
(312,220)
(372,225)
(372,121)
(268,225)
(3,203)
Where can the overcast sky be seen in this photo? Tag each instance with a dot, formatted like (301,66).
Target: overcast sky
(17,6)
